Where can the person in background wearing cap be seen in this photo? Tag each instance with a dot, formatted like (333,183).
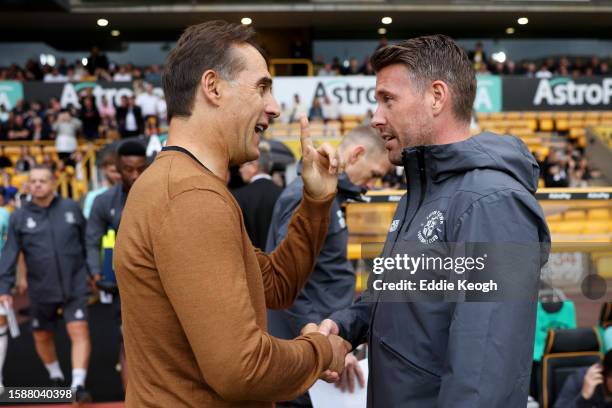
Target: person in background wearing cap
(106,211)
(331,285)
(50,232)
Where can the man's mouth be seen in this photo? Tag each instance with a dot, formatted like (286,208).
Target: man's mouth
(387,137)
(260,128)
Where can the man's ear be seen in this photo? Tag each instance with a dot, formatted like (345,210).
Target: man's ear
(440,95)
(356,152)
(210,86)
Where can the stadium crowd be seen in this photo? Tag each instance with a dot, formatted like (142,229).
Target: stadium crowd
(98,67)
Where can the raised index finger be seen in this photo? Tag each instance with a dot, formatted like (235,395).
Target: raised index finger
(305,139)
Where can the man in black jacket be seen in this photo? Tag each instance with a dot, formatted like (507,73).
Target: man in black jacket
(471,218)
(106,214)
(258,197)
(129,118)
(50,231)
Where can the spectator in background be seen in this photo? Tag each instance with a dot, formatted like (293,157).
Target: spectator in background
(162,111)
(153,75)
(327,70)
(498,68)
(79,70)
(16,129)
(604,69)
(66,128)
(96,60)
(25,161)
(543,72)
(4,115)
(55,76)
(298,109)
(555,171)
(383,42)
(589,387)
(129,118)
(258,196)
(315,113)
(353,67)
(148,102)
(41,130)
(530,70)
(478,56)
(483,70)
(90,118)
(336,66)
(5,161)
(330,109)
(122,75)
(106,109)
(367,68)
(510,68)
(20,107)
(110,177)
(285,113)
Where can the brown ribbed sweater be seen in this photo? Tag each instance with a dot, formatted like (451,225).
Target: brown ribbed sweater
(194,293)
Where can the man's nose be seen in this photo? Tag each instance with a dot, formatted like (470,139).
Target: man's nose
(272,108)
(378,119)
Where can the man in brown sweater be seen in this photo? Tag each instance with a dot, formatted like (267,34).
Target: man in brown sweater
(194,290)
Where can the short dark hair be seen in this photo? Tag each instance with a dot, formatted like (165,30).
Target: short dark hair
(431,58)
(202,47)
(131,148)
(43,167)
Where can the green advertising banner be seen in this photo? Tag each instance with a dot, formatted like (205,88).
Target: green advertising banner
(10,93)
(488,94)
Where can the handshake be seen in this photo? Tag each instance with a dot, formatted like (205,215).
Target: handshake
(344,368)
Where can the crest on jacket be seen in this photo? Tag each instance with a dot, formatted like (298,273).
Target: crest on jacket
(431,228)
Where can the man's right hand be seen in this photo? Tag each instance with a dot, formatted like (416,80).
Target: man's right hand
(328,327)
(592,378)
(340,348)
(6,299)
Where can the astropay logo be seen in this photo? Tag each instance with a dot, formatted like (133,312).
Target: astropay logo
(564,91)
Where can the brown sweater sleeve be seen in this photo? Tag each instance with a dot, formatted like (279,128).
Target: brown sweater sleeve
(286,270)
(199,255)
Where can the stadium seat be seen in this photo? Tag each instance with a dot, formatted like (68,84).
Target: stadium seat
(595,214)
(574,215)
(562,125)
(566,351)
(576,115)
(546,124)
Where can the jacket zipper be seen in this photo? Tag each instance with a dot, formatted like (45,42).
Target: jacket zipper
(55,254)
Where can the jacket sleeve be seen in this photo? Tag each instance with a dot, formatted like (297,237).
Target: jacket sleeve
(10,254)
(570,395)
(95,230)
(354,321)
(286,269)
(484,364)
(200,257)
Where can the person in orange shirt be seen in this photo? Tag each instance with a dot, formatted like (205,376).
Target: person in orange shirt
(194,290)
